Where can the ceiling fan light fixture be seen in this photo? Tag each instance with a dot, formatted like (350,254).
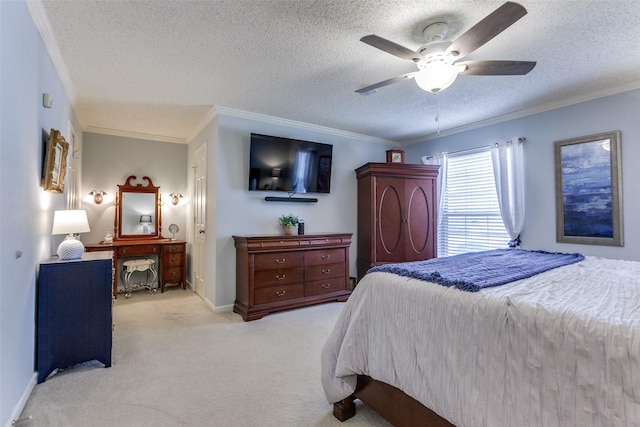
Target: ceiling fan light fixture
(436,76)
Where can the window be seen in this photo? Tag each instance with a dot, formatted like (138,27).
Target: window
(470,217)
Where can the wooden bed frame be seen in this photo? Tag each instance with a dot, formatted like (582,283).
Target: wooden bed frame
(391,403)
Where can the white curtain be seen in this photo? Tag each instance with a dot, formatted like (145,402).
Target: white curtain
(508,172)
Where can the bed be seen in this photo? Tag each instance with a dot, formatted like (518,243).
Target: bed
(560,348)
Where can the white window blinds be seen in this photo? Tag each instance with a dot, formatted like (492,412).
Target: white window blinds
(469,213)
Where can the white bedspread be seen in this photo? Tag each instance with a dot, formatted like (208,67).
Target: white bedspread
(558,349)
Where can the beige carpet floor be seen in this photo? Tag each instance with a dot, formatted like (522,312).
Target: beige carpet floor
(175,363)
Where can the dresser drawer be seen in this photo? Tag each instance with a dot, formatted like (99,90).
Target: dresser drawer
(172,275)
(323,257)
(278,293)
(319,272)
(138,250)
(325,241)
(283,276)
(273,244)
(319,287)
(278,260)
(177,248)
(173,260)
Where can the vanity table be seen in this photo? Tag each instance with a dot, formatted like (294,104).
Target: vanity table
(138,233)
(171,257)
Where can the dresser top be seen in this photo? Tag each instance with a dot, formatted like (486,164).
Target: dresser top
(132,242)
(305,236)
(87,256)
(277,242)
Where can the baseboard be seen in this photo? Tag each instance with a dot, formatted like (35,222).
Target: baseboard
(214,309)
(20,404)
(223,309)
(209,304)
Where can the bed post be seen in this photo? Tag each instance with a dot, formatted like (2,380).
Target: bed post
(344,409)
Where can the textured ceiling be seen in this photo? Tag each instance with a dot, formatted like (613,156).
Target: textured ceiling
(155,69)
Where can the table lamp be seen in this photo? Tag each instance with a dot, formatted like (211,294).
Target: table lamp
(145,220)
(70,222)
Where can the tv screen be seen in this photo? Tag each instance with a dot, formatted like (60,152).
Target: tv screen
(289,165)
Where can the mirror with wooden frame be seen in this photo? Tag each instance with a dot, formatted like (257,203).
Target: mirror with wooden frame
(138,213)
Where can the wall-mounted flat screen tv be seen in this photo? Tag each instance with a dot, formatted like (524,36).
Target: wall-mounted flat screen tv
(289,165)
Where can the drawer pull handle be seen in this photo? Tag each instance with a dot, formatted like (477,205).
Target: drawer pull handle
(326,257)
(124,251)
(327,271)
(280,293)
(174,259)
(281,277)
(326,286)
(280,261)
(174,274)
(155,249)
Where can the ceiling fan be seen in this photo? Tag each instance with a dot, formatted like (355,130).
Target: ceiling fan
(436,61)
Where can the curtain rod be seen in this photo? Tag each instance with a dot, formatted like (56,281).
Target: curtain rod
(521,140)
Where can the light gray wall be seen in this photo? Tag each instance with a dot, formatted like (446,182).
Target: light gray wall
(240,212)
(615,112)
(108,160)
(26,211)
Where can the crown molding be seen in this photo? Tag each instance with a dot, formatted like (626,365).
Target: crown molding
(206,119)
(39,16)
(614,90)
(230,112)
(136,135)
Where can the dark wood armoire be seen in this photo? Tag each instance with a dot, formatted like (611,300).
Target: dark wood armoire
(397,213)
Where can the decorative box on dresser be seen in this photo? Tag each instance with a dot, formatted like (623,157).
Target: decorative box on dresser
(280,272)
(397,213)
(73,312)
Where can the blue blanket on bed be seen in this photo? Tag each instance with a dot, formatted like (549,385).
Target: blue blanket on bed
(476,270)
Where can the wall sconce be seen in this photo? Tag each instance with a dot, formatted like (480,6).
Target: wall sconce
(98,196)
(175,198)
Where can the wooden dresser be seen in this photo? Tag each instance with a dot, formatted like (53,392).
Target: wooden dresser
(170,253)
(281,272)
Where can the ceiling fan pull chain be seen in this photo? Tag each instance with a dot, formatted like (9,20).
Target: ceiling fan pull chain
(438,114)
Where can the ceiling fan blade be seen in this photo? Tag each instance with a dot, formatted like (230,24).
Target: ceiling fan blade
(489,27)
(496,68)
(391,47)
(373,87)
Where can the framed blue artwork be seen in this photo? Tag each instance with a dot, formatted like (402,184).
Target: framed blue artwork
(589,190)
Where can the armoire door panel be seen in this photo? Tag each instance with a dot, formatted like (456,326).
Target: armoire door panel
(389,231)
(420,228)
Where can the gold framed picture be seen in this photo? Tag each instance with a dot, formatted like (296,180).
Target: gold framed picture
(55,164)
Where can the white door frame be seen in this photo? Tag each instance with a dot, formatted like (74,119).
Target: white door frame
(199,218)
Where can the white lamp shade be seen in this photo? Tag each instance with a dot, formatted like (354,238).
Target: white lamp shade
(436,76)
(70,222)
